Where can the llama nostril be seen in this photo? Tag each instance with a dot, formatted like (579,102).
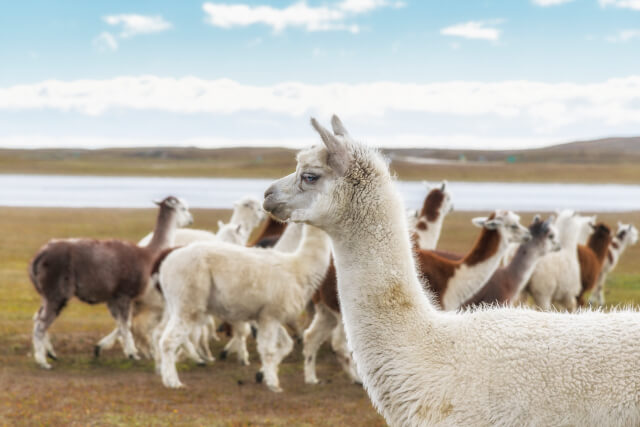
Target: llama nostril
(269,191)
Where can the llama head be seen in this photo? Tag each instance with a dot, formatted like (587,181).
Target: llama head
(544,236)
(507,224)
(329,182)
(179,207)
(247,212)
(627,233)
(437,203)
(574,227)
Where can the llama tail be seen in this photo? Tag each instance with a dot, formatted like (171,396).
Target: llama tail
(33,269)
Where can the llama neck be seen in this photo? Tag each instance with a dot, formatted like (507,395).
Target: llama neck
(521,267)
(475,269)
(428,239)
(599,245)
(290,239)
(382,301)
(164,232)
(312,258)
(374,260)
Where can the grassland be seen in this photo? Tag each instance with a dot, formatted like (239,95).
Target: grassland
(276,162)
(115,391)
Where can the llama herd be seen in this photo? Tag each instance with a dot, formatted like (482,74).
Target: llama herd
(436,338)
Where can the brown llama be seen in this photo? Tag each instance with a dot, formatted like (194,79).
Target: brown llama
(591,258)
(113,271)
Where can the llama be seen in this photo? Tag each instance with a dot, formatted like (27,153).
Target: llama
(111,271)
(455,281)
(507,282)
(627,235)
(422,366)
(591,257)
(556,277)
(247,214)
(437,205)
(288,242)
(240,284)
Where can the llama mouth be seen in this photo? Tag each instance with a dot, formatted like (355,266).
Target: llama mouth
(274,209)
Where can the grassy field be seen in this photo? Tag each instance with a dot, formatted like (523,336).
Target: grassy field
(277,162)
(113,391)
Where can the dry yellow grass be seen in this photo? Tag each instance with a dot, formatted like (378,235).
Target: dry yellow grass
(114,391)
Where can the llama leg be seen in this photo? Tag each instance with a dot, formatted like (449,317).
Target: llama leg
(107,342)
(343,352)
(173,336)
(43,319)
(241,331)
(49,347)
(597,295)
(318,332)
(156,334)
(120,309)
(571,303)
(211,325)
(202,340)
(270,350)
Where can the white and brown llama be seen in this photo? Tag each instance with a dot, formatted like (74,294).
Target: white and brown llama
(627,235)
(506,283)
(421,366)
(428,225)
(114,272)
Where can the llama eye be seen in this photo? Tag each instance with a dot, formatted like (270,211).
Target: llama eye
(551,236)
(309,178)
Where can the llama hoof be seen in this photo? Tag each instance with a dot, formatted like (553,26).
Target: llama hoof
(275,388)
(245,362)
(96,351)
(173,384)
(224,354)
(133,356)
(201,364)
(51,355)
(358,383)
(254,332)
(259,377)
(45,366)
(313,381)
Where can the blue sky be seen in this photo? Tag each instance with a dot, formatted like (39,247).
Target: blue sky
(480,74)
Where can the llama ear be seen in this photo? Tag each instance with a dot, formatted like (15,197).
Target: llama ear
(537,218)
(157,202)
(493,224)
(479,221)
(338,127)
(338,158)
(444,185)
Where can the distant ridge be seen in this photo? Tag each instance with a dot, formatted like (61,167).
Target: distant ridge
(607,150)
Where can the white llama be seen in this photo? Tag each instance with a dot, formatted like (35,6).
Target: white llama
(556,277)
(240,284)
(422,366)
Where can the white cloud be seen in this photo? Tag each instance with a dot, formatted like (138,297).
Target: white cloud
(622,4)
(473,30)
(546,3)
(545,106)
(453,141)
(296,15)
(105,41)
(133,24)
(623,36)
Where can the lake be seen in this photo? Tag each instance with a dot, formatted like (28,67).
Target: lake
(138,192)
